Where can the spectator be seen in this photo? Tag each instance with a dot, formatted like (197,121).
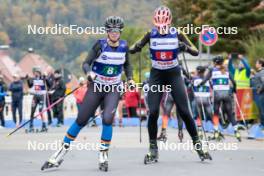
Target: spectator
(2,100)
(258,83)
(16,89)
(49,84)
(79,93)
(59,89)
(131,100)
(239,71)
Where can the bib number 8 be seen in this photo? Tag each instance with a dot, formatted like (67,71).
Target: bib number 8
(110,70)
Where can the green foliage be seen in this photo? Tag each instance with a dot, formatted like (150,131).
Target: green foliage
(254,47)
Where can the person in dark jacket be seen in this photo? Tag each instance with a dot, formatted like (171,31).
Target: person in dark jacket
(2,100)
(16,89)
(59,89)
(49,84)
(38,90)
(258,80)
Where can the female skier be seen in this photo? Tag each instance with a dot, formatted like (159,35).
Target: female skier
(165,46)
(103,68)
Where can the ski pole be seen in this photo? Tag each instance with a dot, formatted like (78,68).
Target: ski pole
(46,109)
(241,113)
(187,70)
(140,106)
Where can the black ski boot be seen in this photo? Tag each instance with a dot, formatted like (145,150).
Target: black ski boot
(57,158)
(203,154)
(163,135)
(180,135)
(218,136)
(30,129)
(153,155)
(44,128)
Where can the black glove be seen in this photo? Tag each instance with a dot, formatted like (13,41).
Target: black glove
(183,47)
(91,76)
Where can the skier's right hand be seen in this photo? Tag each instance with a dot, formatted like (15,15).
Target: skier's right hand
(183,47)
(90,76)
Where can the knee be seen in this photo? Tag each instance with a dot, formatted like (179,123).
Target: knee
(108,119)
(81,122)
(154,113)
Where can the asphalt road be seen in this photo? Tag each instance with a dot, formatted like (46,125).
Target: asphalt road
(19,157)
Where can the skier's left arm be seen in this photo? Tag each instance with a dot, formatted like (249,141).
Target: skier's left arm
(128,67)
(233,82)
(188,45)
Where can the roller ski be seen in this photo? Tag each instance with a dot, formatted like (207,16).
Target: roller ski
(43,130)
(57,158)
(153,154)
(163,136)
(237,135)
(103,160)
(180,135)
(30,130)
(203,155)
(217,136)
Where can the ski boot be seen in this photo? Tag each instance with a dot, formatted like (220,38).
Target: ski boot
(153,155)
(180,135)
(30,130)
(103,160)
(203,154)
(237,135)
(43,128)
(163,136)
(218,136)
(200,133)
(57,158)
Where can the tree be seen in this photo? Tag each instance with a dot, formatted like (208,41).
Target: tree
(233,13)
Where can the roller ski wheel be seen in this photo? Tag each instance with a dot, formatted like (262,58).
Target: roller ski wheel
(43,130)
(30,130)
(57,158)
(238,136)
(103,166)
(103,160)
(180,135)
(203,155)
(150,159)
(49,165)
